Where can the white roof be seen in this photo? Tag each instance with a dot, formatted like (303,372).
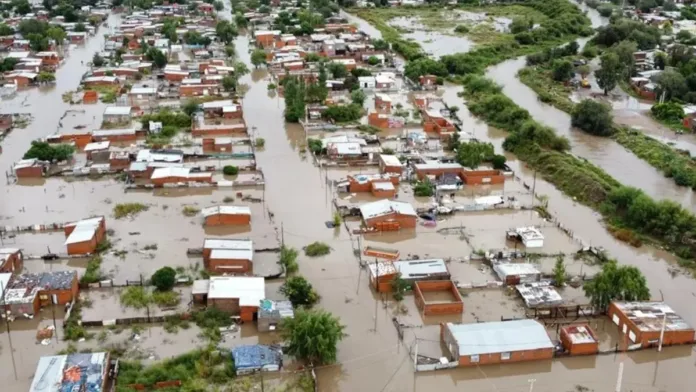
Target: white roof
(346,148)
(241,254)
(164,172)
(499,337)
(152,156)
(218,104)
(529,233)
(390,160)
(228,210)
(383,97)
(109,79)
(117,110)
(25,163)
(384,186)
(4,280)
(437,165)
(513,269)
(342,139)
(143,90)
(18,55)
(84,230)
(113,132)
(97,146)
(227,243)
(384,79)
(489,200)
(410,269)
(249,290)
(384,207)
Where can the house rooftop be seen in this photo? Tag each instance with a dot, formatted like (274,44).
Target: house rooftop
(23,288)
(57,373)
(117,111)
(227,243)
(96,146)
(437,166)
(539,294)
(512,269)
(648,316)
(226,210)
(390,160)
(580,334)
(410,269)
(384,207)
(84,230)
(499,337)
(250,290)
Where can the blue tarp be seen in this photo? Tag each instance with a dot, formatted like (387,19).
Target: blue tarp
(255,357)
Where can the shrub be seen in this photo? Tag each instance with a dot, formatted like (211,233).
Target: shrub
(423,189)
(461,29)
(93,273)
(299,291)
(668,112)
(316,249)
(166,298)
(498,161)
(135,297)
(46,152)
(164,278)
(230,170)
(260,142)
(288,259)
(190,211)
(593,117)
(128,209)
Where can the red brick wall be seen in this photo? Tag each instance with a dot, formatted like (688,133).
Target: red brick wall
(82,248)
(516,356)
(218,265)
(29,172)
(670,337)
(456,307)
(403,221)
(476,177)
(422,173)
(578,349)
(228,219)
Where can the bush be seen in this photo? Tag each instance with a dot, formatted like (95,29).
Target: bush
(343,113)
(498,161)
(288,259)
(260,142)
(164,278)
(166,298)
(93,273)
(46,152)
(230,170)
(128,209)
(316,249)
(136,297)
(299,291)
(315,146)
(461,29)
(190,211)
(423,189)
(668,112)
(593,117)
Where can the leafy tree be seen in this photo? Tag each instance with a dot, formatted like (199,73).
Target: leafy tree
(294,94)
(684,35)
(57,34)
(337,70)
(97,60)
(258,57)
(624,50)
(22,7)
(423,188)
(229,83)
(226,31)
(562,70)
(647,5)
(230,170)
(617,283)
(424,66)
(37,42)
(498,161)
(559,272)
(299,291)
(240,20)
(609,73)
(605,10)
(164,278)
(80,27)
(313,336)
(190,107)
(373,60)
(157,57)
(399,286)
(32,26)
(46,152)
(669,6)
(583,70)
(6,30)
(668,112)
(521,24)
(343,113)
(46,77)
(218,6)
(471,154)
(524,38)
(671,83)
(8,64)
(592,117)
(288,259)
(230,50)
(380,44)
(358,97)
(240,69)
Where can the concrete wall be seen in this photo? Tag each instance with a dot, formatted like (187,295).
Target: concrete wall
(240,266)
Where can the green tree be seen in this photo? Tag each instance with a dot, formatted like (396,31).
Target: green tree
(358,97)
(617,283)
(164,278)
(498,161)
(6,30)
(57,34)
(258,57)
(158,58)
(230,170)
(671,83)
(593,117)
(559,272)
(46,152)
(294,99)
(80,27)
(313,336)
(97,60)
(609,73)
(471,154)
(190,107)
(22,7)
(399,286)
(229,83)
(240,69)
(299,291)
(521,24)
(380,44)
(605,10)
(37,42)
(46,77)
(343,113)
(373,60)
(646,5)
(230,50)
(219,6)
(562,70)
(583,70)
(240,20)
(226,31)
(288,259)
(660,60)
(337,70)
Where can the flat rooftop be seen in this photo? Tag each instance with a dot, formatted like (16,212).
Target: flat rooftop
(580,334)
(74,372)
(648,316)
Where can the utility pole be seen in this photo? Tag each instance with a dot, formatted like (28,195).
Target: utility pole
(619,378)
(282,235)
(662,332)
(377,289)
(261,374)
(534,188)
(9,335)
(53,310)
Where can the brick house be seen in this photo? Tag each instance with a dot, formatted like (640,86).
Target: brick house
(26,294)
(11,260)
(96,147)
(579,340)
(640,323)
(219,145)
(174,175)
(496,342)
(423,170)
(478,177)
(175,75)
(228,255)
(30,168)
(22,79)
(227,215)
(383,273)
(198,90)
(82,237)
(388,215)
(434,122)
(383,103)
(432,304)
(428,82)
(237,295)
(266,38)
(390,164)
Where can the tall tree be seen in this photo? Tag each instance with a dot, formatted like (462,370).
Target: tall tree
(313,336)
(299,291)
(593,117)
(609,73)
(620,283)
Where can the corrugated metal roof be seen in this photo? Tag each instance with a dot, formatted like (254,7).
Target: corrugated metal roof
(249,289)
(499,337)
(224,243)
(226,210)
(117,111)
(84,230)
(164,172)
(384,207)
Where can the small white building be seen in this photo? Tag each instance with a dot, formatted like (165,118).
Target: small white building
(530,236)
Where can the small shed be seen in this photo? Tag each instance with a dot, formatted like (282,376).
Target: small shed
(271,313)
(30,168)
(117,114)
(258,357)
(516,273)
(579,340)
(227,215)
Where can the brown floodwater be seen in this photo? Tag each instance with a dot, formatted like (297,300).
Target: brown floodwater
(371,358)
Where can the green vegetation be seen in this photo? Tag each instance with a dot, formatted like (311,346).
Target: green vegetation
(93,272)
(165,298)
(614,282)
(313,336)
(299,291)
(260,142)
(399,286)
(164,278)
(230,170)
(315,146)
(288,259)
(593,117)
(258,57)
(538,78)
(317,249)
(128,209)
(136,297)
(167,117)
(190,211)
(670,114)
(47,152)
(295,95)
(343,113)
(423,189)
(559,272)
(337,219)
(73,330)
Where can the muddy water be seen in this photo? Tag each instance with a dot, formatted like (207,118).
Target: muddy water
(647,370)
